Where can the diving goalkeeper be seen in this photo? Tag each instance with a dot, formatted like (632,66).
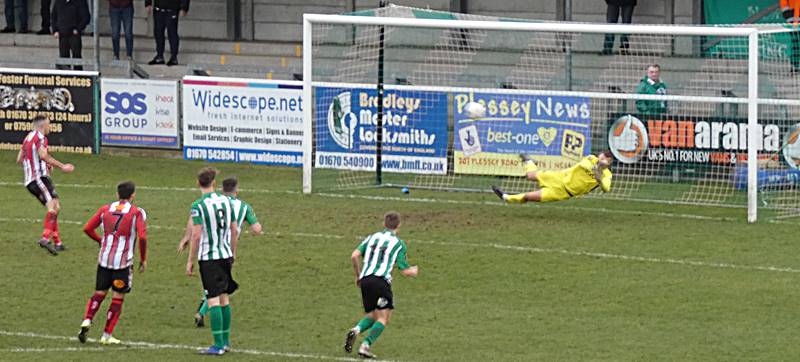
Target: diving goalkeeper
(591,172)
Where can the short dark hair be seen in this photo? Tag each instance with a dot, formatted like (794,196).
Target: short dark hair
(654,65)
(206,176)
(607,153)
(41,117)
(229,184)
(125,190)
(391,220)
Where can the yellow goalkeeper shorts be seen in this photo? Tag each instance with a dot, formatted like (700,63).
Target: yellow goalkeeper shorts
(551,184)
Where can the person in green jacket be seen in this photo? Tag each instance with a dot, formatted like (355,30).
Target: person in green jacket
(652,84)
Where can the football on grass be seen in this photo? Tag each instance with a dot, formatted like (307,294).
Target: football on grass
(475,110)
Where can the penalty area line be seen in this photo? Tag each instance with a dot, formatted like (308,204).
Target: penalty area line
(150,345)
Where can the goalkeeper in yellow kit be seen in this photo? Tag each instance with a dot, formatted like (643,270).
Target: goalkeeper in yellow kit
(591,172)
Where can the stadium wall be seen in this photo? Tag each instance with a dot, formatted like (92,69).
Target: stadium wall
(280,20)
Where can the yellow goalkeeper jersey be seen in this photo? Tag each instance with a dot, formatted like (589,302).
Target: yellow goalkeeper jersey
(579,179)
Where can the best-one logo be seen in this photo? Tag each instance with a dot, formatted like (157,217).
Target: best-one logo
(126,103)
(123,108)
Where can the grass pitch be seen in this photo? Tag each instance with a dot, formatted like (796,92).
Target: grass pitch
(585,279)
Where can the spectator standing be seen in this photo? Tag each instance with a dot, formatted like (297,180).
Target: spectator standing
(23,16)
(791,12)
(69,19)
(45,12)
(165,17)
(121,13)
(615,8)
(652,84)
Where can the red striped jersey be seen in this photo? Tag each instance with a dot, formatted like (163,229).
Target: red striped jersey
(122,224)
(34,167)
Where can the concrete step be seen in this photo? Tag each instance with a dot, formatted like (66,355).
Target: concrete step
(145,44)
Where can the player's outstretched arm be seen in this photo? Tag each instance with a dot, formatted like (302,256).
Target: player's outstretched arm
(605,182)
(90,227)
(411,271)
(355,258)
(234,238)
(256,229)
(195,244)
(187,236)
(50,160)
(141,233)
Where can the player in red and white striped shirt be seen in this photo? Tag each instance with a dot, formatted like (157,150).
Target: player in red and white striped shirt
(36,163)
(123,223)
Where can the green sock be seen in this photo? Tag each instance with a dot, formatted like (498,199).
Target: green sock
(364,324)
(374,333)
(226,324)
(203,307)
(216,326)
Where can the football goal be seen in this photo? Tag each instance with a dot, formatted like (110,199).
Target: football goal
(702,115)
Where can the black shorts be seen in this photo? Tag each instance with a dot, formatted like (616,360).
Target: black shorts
(119,280)
(217,278)
(43,189)
(376,293)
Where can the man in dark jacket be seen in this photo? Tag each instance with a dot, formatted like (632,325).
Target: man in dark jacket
(165,17)
(614,9)
(69,19)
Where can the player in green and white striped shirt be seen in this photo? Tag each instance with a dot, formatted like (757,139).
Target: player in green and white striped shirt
(214,236)
(380,252)
(244,212)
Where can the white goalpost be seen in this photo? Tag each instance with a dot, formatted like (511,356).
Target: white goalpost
(551,93)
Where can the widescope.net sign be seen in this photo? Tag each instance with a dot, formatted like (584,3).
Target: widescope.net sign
(243,120)
(139,113)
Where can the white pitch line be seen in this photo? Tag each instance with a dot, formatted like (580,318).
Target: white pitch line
(422,200)
(580,253)
(149,226)
(150,345)
(617,256)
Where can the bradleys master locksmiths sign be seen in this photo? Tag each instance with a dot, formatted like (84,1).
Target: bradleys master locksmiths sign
(414,130)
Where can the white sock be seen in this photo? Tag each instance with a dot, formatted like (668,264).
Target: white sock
(505,197)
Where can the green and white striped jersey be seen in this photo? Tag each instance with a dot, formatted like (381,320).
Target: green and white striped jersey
(215,212)
(381,250)
(244,212)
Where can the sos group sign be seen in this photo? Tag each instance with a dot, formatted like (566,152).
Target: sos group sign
(140,113)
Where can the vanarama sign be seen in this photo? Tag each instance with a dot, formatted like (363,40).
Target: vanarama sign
(688,140)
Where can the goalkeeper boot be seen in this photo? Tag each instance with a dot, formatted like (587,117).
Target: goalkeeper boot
(84,330)
(60,247)
(499,192)
(363,351)
(348,342)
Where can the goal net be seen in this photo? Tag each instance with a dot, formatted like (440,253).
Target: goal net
(682,108)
